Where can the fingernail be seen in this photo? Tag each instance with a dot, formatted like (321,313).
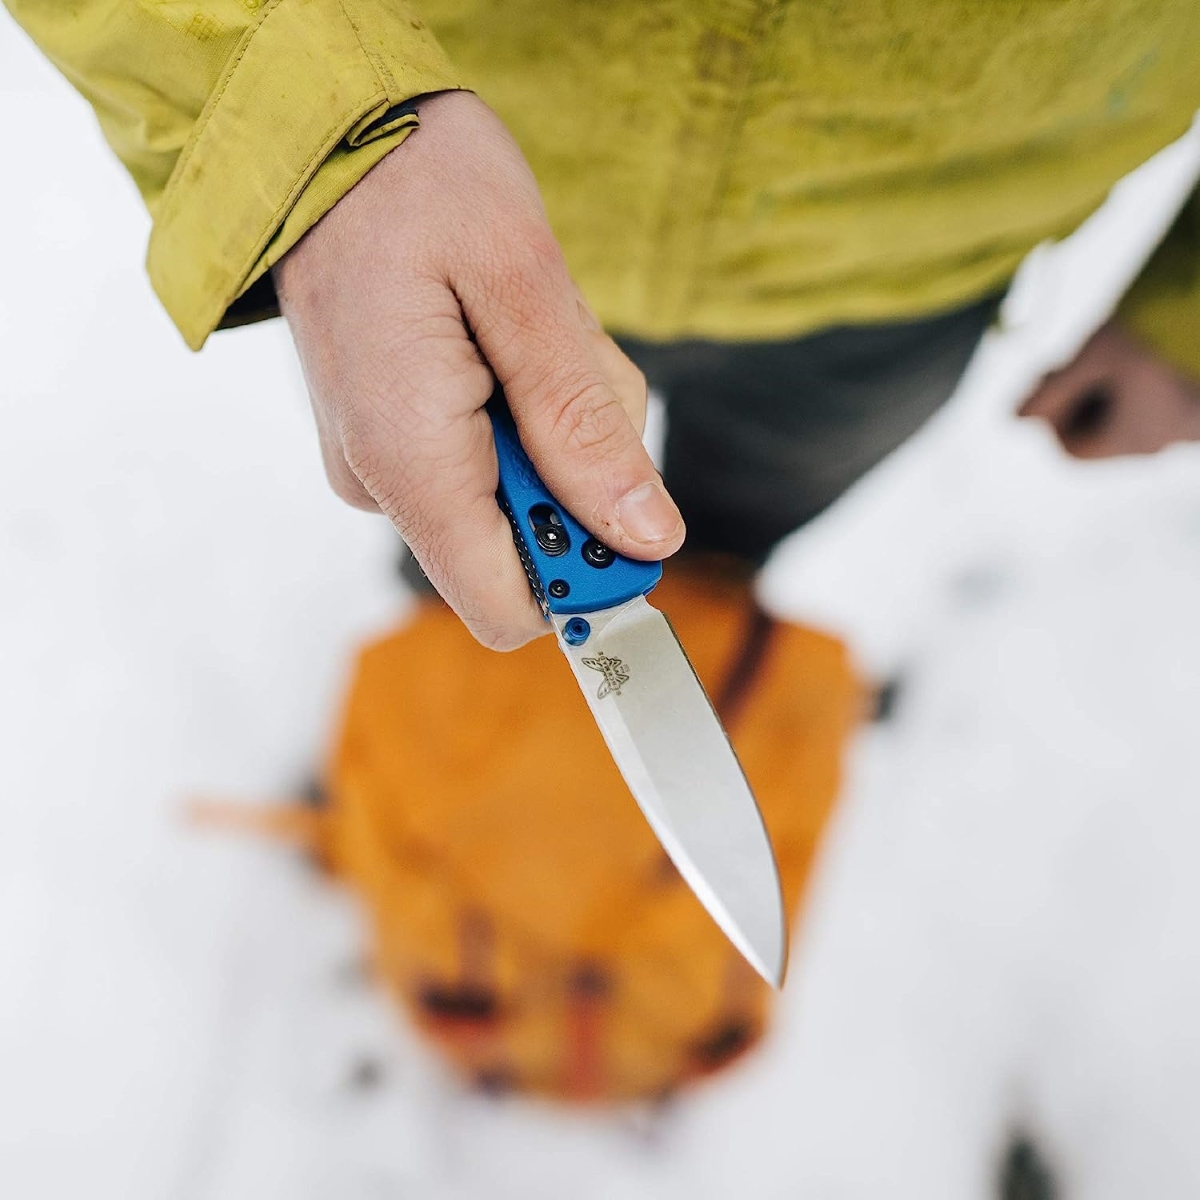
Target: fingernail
(648,514)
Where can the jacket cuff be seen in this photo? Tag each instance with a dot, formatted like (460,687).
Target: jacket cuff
(313,97)
(1162,308)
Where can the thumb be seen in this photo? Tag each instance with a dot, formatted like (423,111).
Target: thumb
(531,330)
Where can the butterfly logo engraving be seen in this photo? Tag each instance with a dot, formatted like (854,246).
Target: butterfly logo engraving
(614,671)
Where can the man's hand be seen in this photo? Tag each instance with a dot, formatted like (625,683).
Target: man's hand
(1117,397)
(436,273)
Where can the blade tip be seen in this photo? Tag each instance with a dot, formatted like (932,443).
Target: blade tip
(778,972)
(772,967)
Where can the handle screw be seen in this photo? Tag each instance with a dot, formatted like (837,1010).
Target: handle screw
(597,554)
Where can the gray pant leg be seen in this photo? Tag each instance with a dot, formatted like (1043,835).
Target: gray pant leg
(762,436)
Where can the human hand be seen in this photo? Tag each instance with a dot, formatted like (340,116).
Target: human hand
(433,278)
(1117,397)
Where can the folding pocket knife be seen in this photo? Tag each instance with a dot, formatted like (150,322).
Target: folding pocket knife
(652,710)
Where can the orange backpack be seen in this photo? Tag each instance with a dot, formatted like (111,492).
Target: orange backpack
(521,910)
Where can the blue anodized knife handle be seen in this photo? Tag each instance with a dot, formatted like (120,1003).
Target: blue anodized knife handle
(570,571)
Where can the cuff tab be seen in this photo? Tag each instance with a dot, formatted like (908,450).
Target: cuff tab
(380,124)
(300,92)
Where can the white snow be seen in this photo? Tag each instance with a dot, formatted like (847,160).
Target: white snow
(1002,933)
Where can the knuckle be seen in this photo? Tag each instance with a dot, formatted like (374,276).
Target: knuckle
(514,292)
(633,389)
(342,480)
(492,621)
(348,489)
(542,252)
(377,471)
(365,459)
(501,638)
(518,272)
(638,383)
(588,420)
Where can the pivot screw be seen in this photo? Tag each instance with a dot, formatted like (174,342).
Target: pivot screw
(548,530)
(552,539)
(576,631)
(597,554)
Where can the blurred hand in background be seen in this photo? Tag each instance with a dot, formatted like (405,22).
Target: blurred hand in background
(1117,397)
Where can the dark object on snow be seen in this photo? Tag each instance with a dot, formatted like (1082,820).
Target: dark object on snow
(1024,1174)
(366,1075)
(886,699)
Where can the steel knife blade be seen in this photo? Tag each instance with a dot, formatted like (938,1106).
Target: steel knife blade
(650,707)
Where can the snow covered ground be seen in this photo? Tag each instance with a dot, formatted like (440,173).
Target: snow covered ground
(1003,934)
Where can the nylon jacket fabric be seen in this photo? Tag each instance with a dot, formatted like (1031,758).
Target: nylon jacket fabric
(241,121)
(730,169)
(1163,306)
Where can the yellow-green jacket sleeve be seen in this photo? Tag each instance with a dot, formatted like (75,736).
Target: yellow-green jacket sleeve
(241,121)
(1163,306)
